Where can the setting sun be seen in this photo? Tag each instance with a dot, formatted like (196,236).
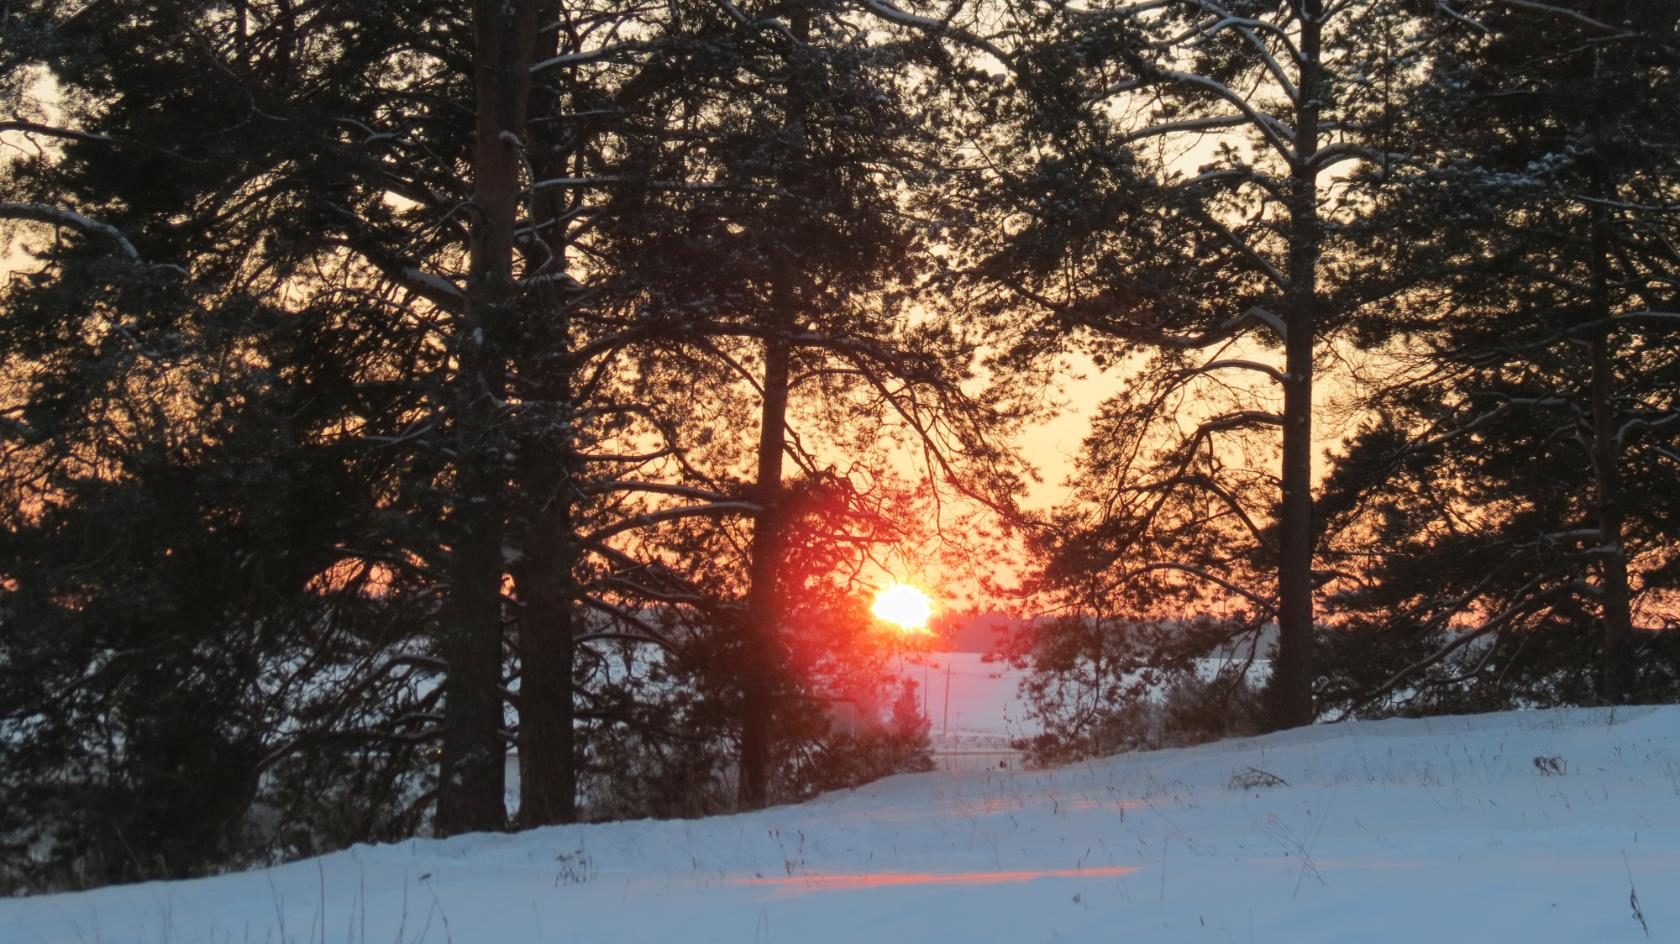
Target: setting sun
(905,607)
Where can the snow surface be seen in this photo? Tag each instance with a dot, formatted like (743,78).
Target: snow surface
(1531,827)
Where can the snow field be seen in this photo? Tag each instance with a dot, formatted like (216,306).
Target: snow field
(1530,826)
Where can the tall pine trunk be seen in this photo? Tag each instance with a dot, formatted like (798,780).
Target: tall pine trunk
(1292,676)
(470,781)
(764,604)
(547,579)
(547,652)
(762,662)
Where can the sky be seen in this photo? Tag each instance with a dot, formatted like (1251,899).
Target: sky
(1051,447)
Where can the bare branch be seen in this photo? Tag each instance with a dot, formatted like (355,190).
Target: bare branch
(708,510)
(1566,13)
(1265,605)
(659,488)
(1239,419)
(1523,604)
(1276,375)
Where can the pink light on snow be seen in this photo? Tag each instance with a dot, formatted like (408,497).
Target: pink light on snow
(842,881)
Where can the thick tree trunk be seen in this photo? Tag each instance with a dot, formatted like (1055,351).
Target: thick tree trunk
(1616,675)
(470,781)
(548,481)
(1292,675)
(762,663)
(547,651)
(764,604)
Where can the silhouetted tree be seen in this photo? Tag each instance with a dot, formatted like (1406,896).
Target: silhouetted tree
(1519,487)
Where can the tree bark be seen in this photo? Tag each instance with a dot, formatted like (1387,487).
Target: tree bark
(1292,675)
(764,605)
(548,480)
(547,652)
(471,775)
(763,664)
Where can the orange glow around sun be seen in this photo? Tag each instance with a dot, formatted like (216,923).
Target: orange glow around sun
(905,607)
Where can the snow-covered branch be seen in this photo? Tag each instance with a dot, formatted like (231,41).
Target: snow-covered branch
(586,56)
(51,131)
(1453,14)
(1244,27)
(1645,424)
(1225,15)
(1277,134)
(892,14)
(402,271)
(1205,123)
(740,18)
(1332,154)
(430,284)
(70,219)
(1539,402)
(20,430)
(668,186)
(1655,319)
(1499,412)
(1574,536)
(576,183)
(1269,319)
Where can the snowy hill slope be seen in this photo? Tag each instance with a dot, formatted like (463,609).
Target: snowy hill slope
(1532,827)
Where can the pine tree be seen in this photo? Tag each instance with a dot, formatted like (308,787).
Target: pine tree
(1521,481)
(772,248)
(180,491)
(1162,202)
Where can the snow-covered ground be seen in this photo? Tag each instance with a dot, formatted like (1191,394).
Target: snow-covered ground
(1530,827)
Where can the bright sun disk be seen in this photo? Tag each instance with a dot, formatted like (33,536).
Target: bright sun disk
(903,606)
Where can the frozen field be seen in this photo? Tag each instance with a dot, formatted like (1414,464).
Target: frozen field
(1533,827)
